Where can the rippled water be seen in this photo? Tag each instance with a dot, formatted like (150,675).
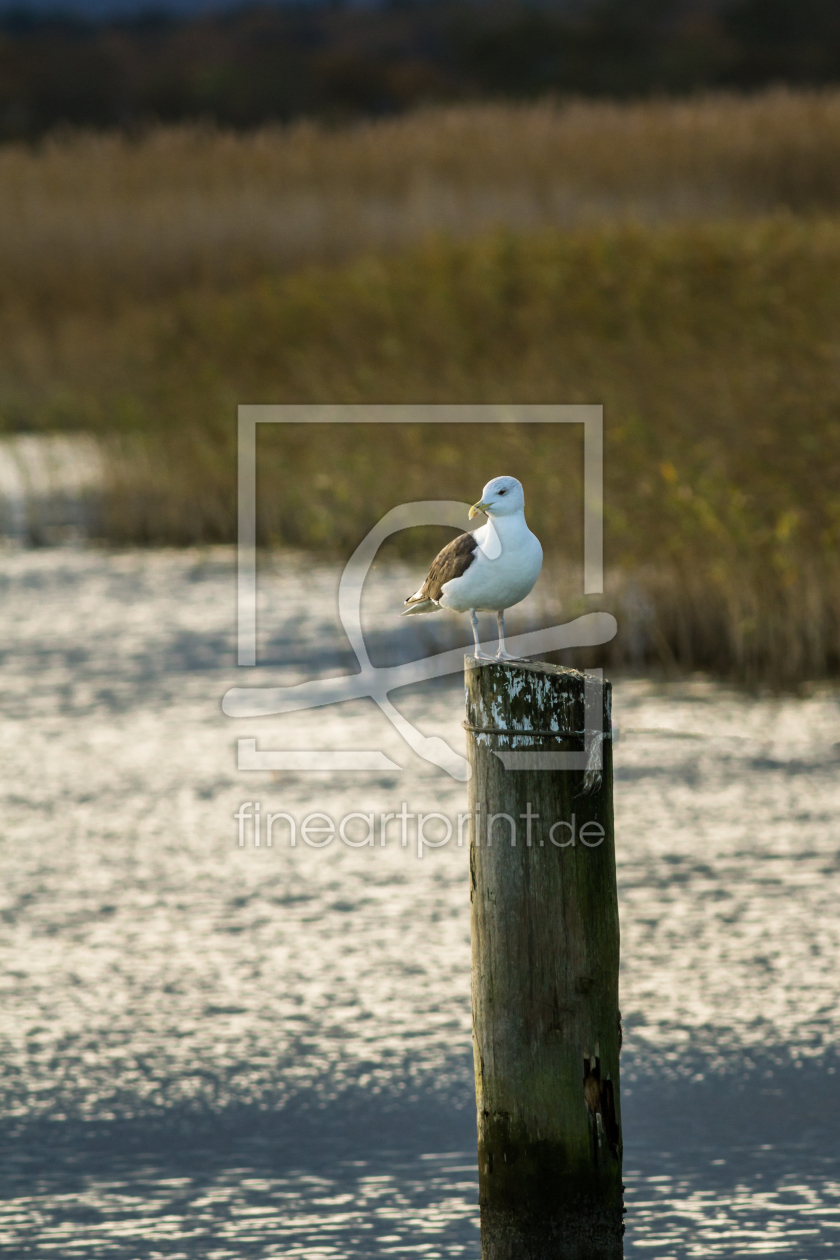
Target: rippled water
(219,1051)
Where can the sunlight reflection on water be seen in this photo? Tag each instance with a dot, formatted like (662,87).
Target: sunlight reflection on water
(220,1051)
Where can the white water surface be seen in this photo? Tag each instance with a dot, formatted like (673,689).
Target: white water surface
(219,1051)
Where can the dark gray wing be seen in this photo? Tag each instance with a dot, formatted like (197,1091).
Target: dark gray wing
(450,563)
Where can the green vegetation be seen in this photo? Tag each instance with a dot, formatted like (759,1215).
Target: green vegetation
(714,348)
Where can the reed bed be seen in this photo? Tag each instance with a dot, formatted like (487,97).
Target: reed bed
(679,263)
(91,221)
(715,351)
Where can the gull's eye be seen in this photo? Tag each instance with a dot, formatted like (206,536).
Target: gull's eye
(503,492)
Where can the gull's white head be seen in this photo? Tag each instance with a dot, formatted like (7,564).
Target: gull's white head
(503,496)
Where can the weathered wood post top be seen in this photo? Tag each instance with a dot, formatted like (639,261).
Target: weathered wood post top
(545,948)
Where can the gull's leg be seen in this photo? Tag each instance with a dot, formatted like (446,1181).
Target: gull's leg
(479,655)
(501,653)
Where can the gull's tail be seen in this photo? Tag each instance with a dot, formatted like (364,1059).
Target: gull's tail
(421,605)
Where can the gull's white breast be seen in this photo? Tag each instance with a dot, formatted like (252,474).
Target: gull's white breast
(505,567)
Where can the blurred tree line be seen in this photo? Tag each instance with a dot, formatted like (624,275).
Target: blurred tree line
(250,65)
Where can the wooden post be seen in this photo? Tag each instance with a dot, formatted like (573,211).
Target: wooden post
(546,1023)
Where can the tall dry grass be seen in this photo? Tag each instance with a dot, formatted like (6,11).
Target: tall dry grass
(715,351)
(91,221)
(148,287)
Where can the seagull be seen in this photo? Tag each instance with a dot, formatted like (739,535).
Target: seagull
(488,570)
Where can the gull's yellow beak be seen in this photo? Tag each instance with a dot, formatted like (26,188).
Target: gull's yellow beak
(481,506)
